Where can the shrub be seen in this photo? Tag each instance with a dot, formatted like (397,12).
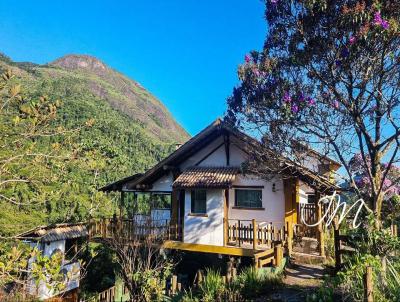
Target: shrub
(252,282)
(213,286)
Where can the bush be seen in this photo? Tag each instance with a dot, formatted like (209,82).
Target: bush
(249,283)
(213,285)
(253,282)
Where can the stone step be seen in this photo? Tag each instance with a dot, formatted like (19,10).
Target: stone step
(308,258)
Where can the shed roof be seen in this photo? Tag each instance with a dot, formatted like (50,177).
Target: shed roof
(206,177)
(54,232)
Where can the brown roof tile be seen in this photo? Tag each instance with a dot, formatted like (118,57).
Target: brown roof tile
(56,232)
(206,177)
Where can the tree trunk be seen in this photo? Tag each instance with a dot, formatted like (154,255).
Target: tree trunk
(378,210)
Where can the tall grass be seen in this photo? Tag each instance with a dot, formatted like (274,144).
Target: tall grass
(250,283)
(213,285)
(253,282)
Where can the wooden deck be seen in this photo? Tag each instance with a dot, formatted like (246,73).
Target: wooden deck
(134,229)
(262,241)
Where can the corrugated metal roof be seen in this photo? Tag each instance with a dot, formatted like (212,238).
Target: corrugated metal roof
(206,177)
(56,232)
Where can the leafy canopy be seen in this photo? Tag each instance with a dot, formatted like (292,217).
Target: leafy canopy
(328,76)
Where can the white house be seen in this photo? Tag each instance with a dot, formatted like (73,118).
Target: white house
(215,205)
(50,240)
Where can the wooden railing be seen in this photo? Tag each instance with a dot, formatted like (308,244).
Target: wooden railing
(309,212)
(254,233)
(134,229)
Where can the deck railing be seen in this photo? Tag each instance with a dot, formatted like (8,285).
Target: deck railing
(255,233)
(309,212)
(134,229)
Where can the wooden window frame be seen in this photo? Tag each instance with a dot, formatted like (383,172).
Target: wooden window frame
(192,201)
(249,188)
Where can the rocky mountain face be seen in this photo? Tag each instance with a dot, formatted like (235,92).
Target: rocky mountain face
(125,95)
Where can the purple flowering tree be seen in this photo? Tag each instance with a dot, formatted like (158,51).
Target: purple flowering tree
(328,76)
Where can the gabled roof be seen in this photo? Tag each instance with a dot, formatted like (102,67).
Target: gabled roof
(55,232)
(186,150)
(206,177)
(117,185)
(212,131)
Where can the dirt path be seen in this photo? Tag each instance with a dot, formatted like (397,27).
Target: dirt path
(300,280)
(304,275)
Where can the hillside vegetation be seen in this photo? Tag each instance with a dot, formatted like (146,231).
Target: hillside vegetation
(129,130)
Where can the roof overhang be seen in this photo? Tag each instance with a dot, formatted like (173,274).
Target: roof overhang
(217,128)
(118,185)
(206,178)
(54,232)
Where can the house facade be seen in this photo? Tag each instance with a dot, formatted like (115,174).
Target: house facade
(214,204)
(63,239)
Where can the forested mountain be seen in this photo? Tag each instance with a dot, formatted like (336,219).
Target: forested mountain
(129,130)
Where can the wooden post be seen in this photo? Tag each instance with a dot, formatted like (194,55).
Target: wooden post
(278,254)
(226,221)
(393,229)
(321,239)
(199,277)
(289,237)
(368,285)
(239,232)
(338,256)
(104,228)
(253,222)
(174,284)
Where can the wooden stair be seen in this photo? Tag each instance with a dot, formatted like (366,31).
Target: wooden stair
(270,256)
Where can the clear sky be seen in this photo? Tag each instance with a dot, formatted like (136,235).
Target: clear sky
(185,52)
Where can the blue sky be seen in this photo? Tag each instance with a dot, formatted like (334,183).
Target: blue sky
(185,52)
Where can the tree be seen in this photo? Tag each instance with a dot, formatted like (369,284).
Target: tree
(327,77)
(22,265)
(28,168)
(143,265)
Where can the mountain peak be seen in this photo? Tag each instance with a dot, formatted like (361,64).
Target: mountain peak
(74,61)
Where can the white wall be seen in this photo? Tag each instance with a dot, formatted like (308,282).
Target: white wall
(164,183)
(272,202)
(50,247)
(304,190)
(205,230)
(217,158)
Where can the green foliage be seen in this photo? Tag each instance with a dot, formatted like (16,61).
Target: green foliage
(66,149)
(376,248)
(101,268)
(16,261)
(213,286)
(152,282)
(325,293)
(253,282)
(249,284)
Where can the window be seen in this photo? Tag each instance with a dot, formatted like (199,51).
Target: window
(161,201)
(311,198)
(199,202)
(247,198)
